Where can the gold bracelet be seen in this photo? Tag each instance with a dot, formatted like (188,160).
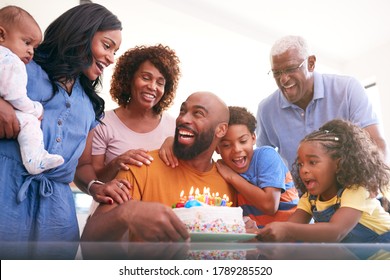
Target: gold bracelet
(94,181)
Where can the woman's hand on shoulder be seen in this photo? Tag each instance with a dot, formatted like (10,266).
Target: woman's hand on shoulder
(9,125)
(137,157)
(118,191)
(166,153)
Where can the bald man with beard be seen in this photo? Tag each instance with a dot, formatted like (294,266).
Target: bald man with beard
(202,122)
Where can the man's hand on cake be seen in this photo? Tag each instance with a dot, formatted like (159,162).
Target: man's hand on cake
(155,222)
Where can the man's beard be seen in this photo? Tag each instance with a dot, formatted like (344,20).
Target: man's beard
(202,142)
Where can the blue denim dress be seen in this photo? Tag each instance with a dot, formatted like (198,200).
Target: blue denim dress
(359,234)
(39,210)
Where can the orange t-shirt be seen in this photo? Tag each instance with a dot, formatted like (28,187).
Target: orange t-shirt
(158,182)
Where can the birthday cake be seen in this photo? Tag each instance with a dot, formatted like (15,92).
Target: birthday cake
(212,219)
(209,213)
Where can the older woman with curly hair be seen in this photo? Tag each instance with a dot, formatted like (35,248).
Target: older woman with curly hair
(144,85)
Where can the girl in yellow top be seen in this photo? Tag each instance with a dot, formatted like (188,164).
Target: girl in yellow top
(340,171)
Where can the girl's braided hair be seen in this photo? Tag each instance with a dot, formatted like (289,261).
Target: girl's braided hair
(361,161)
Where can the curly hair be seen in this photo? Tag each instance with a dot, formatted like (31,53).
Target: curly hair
(240,115)
(162,57)
(291,42)
(361,161)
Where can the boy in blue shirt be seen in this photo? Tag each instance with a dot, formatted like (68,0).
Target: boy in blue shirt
(266,191)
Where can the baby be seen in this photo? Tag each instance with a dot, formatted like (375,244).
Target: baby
(19,35)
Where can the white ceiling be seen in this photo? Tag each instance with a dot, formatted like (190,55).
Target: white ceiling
(339,30)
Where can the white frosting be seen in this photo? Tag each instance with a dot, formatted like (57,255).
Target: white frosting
(212,219)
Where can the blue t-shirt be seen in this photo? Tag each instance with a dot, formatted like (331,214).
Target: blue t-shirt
(267,169)
(283,124)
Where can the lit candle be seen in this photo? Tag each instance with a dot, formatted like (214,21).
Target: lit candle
(182,200)
(197,194)
(217,199)
(228,203)
(182,197)
(206,195)
(212,200)
(223,201)
(191,197)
